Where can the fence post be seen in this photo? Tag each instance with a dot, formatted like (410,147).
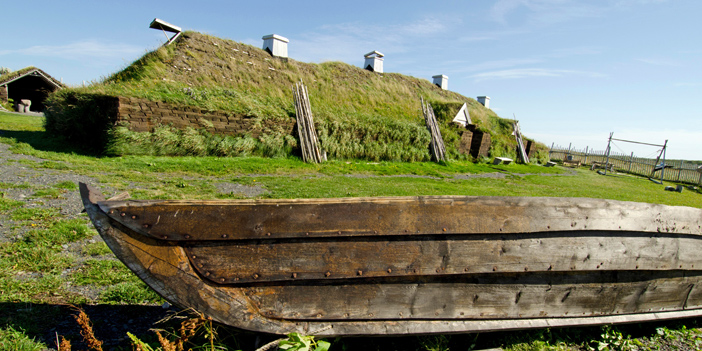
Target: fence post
(550,151)
(680,169)
(631,160)
(586,150)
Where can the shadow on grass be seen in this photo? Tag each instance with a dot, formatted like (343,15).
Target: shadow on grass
(41,141)
(43,322)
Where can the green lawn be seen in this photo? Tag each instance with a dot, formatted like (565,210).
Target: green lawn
(48,269)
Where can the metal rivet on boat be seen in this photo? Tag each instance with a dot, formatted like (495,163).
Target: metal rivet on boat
(186,236)
(133,217)
(346,315)
(269,233)
(327,274)
(359,272)
(375,232)
(598,266)
(466,269)
(194,256)
(112,211)
(307,233)
(319,315)
(207,274)
(436,313)
(255,276)
(548,227)
(494,268)
(200,265)
(122,214)
(406,230)
(222,280)
(400,314)
(294,275)
(526,269)
(224,235)
(438,270)
(145,226)
(164,236)
(370,315)
(444,229)
(500,229)
(236,279)
(389,270)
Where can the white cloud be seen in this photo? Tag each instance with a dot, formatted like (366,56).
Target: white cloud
(500,64)
(659,62)
(531,72)
(629,3)
(687,84)
(349,41)
(543,12)
(468,66)
(576,51)
(79,50)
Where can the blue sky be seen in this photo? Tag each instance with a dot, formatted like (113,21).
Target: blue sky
(571,71)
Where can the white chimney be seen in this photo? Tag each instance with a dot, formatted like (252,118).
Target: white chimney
(485,100)
(374,61)
(441,81)
(276,45)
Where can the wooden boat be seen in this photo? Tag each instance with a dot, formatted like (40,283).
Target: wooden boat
(411,265)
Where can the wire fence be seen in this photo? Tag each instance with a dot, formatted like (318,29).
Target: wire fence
(679,171)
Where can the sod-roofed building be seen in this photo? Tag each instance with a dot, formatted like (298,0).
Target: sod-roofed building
(28,87)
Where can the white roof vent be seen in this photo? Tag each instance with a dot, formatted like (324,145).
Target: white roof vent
(276,45)
(441,81)
(374,61)
(484,100)
(166,27)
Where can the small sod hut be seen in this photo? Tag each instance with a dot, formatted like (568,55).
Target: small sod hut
(30,84)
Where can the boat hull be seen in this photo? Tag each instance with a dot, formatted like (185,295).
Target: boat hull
(411,265)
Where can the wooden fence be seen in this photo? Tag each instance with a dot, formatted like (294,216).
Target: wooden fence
(680,171)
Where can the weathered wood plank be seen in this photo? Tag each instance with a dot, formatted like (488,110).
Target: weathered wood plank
(335,218)
(481,297)
(366,258)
